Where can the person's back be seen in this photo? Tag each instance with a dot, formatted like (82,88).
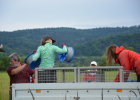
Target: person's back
(130,60)
(47,54)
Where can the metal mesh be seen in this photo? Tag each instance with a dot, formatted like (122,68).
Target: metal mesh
(98,74)
(47,76)
(55,75)
(84,74)
(129,76)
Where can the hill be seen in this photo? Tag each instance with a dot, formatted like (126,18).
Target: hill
(98,47)
(25,41)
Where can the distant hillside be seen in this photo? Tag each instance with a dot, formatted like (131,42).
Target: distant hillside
(97,47)
(25,41)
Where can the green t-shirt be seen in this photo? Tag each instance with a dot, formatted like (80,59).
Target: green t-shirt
(47,54)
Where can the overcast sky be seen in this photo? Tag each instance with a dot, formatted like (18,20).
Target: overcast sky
(83,14)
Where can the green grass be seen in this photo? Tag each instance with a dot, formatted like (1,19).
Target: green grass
(68,77)
(4,86)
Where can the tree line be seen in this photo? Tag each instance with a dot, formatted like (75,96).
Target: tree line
(89,44)
(25,41)
(76,62)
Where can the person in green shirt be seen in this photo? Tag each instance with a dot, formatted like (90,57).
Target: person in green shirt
(47,52)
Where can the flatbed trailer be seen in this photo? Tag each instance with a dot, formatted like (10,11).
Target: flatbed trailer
(70,85)
(77,91)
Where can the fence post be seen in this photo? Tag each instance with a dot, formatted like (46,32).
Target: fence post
(121,74)
(36,75)
(78,73)
(75,75)
(63,76)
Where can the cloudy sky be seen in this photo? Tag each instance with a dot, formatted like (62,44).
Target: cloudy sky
(83,14)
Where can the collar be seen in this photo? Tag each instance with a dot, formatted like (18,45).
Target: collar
(48,43)
(119,49)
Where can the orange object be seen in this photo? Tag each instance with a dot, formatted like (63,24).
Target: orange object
(119,90)
(38,91)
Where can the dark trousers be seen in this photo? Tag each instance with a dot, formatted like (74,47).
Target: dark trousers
(138,78)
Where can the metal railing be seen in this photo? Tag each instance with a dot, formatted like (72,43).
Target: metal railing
(129,76)
(99,74)
(81,74)
(56,75)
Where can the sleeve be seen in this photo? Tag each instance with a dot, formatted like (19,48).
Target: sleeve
(124,61)
(9,70)
(60,50)
(31,71)
(37,54)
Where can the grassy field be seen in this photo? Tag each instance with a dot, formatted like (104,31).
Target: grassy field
(4,86)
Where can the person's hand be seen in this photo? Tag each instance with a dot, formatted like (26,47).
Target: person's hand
(29,60)
(63,44)
(34,51)
(25,64)
(33,80)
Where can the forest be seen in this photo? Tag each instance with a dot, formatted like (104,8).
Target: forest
(89,44)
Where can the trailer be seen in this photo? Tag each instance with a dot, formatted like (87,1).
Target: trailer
(73,83)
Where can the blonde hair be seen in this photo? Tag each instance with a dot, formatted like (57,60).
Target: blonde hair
(110,54)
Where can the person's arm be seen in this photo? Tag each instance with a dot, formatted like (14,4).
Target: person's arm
(32,73)
(33,78)
(18,69)
(124,61)
(126,75)
(36,55)
(60,50)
